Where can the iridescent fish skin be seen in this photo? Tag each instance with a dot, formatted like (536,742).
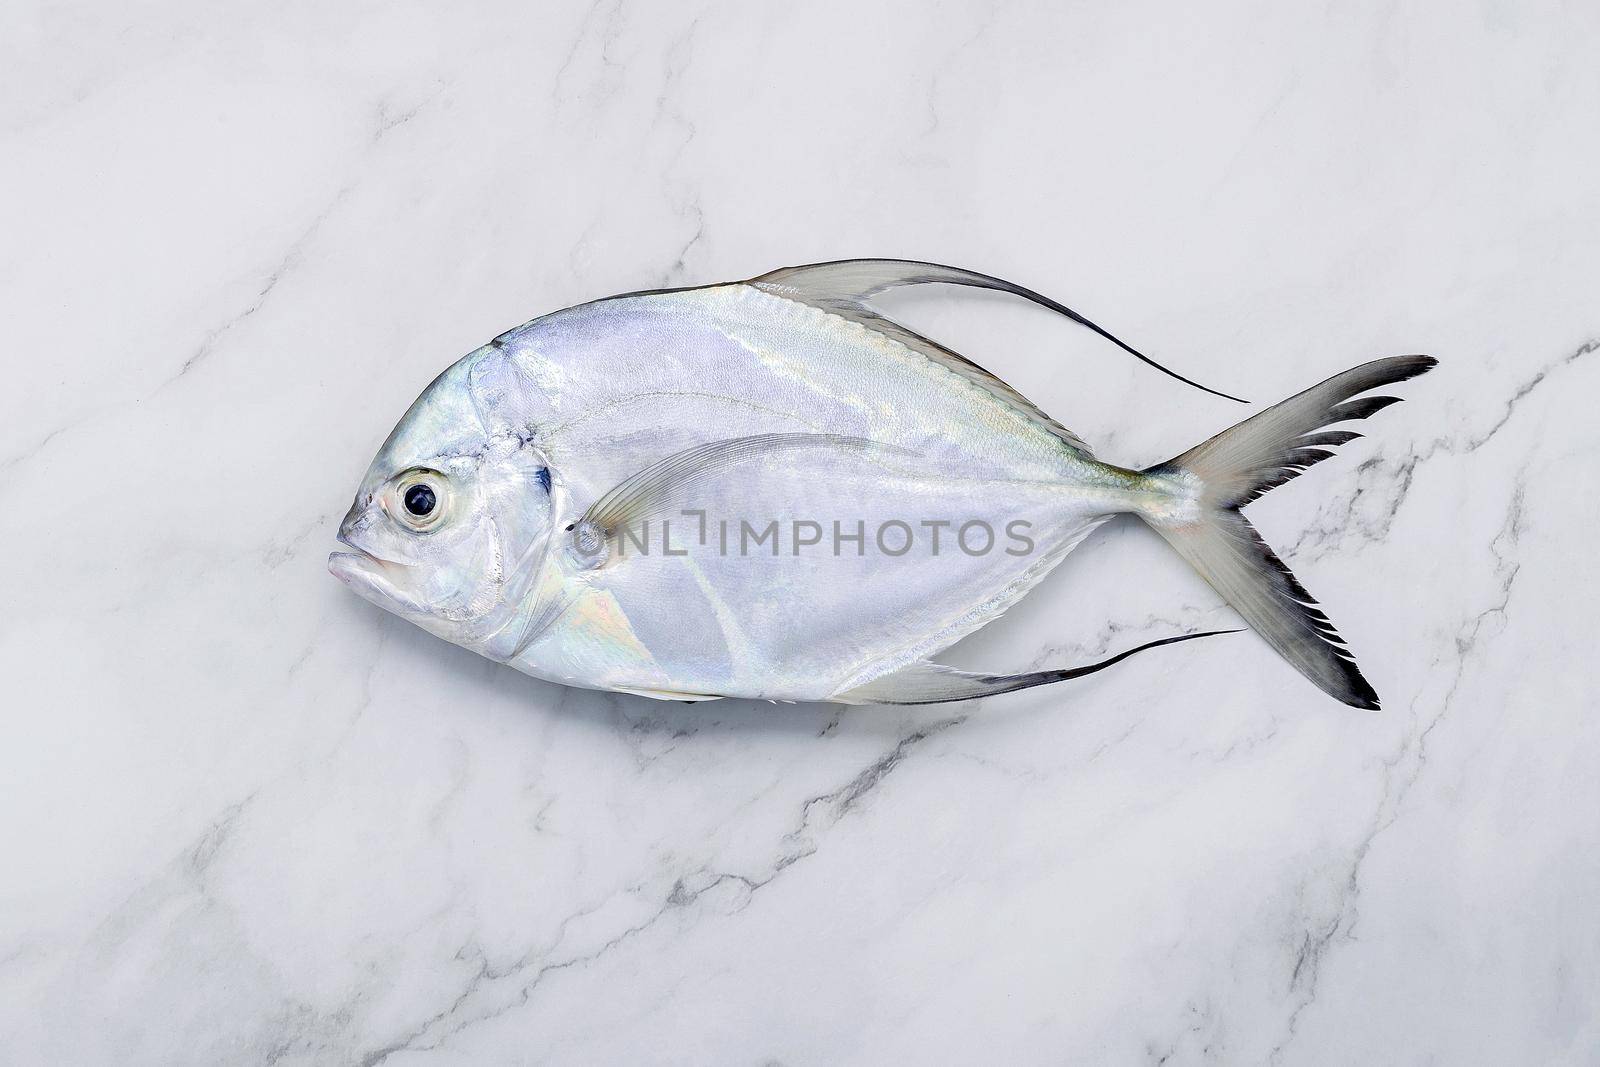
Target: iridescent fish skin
(787,399)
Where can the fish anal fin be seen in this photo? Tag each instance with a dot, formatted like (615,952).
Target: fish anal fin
(665,694)
(925,682)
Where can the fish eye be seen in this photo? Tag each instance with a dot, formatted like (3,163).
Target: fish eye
(420,500)
(421,496)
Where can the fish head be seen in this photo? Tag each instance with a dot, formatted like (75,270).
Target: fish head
(450,525)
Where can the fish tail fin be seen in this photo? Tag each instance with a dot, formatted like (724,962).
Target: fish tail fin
(1199,515)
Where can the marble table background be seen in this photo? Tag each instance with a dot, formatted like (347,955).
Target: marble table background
(247,818)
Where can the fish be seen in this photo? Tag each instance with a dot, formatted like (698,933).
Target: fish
(770,489)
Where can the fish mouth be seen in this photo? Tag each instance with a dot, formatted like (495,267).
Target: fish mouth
(373,578)
(348,566)
(359,567)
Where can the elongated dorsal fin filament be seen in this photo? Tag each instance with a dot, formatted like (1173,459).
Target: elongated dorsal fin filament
(853,282)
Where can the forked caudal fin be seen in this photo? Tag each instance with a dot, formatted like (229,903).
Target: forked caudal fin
(1212,481)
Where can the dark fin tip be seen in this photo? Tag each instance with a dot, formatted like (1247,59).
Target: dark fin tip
(1365,703)
(1358,692)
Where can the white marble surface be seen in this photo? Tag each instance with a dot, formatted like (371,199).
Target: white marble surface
(248,818)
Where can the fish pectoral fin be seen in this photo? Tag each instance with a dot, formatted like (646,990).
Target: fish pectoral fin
(845,287)
(665,487)
(925,682)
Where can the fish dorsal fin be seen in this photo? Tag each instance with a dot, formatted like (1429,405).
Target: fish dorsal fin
(955,361)
(925,682)
(845,287)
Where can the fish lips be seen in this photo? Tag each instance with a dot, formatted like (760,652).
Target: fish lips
(372,577)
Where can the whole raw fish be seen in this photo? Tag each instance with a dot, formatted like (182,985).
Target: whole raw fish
(769,489)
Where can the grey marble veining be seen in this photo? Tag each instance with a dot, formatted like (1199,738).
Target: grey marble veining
(251,819)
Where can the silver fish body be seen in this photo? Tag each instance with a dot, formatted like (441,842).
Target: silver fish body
(801,500)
